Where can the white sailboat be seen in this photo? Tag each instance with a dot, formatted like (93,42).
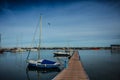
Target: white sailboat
(41,63)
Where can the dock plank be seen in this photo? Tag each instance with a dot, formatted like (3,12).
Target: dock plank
(74,71)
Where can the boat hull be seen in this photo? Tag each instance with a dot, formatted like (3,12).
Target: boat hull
(61,55)
(43,69)
(43,64)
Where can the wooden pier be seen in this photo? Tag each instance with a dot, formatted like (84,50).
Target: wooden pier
(74,71)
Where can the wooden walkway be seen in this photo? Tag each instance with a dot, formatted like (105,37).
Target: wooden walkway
(74,71)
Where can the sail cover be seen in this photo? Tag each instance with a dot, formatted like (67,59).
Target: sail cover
(47,62)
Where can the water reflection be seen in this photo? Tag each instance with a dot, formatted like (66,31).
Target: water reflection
(40,73)
(43,70)
(99,65)
(117,51)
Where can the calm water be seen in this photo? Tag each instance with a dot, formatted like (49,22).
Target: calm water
(99,65)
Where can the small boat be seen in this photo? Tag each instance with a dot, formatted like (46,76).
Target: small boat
(60,53)
(41,63)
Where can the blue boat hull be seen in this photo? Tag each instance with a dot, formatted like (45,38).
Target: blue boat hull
(44,64)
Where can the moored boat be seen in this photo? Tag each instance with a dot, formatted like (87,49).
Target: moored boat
(41,63)
(60,53)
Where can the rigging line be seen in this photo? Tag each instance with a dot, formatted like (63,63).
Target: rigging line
(28,54)
(33,39)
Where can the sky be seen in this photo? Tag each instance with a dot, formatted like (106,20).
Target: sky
(75,23)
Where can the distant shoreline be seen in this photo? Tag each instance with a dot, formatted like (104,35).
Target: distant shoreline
(57,48)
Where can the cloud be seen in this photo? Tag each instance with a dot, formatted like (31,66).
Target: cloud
(84,22)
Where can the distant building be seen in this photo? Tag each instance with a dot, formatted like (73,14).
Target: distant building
(115,48)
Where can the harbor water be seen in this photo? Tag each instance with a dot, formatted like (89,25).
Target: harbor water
(98,64)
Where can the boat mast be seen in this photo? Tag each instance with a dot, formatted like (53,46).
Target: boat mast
(40,37)
(0,40)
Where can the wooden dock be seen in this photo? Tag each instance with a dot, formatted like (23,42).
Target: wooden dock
(74,71)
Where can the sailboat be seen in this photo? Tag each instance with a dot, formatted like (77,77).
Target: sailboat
(1,50)
(41,63)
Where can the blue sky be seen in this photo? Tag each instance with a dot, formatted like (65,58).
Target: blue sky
(72,23)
